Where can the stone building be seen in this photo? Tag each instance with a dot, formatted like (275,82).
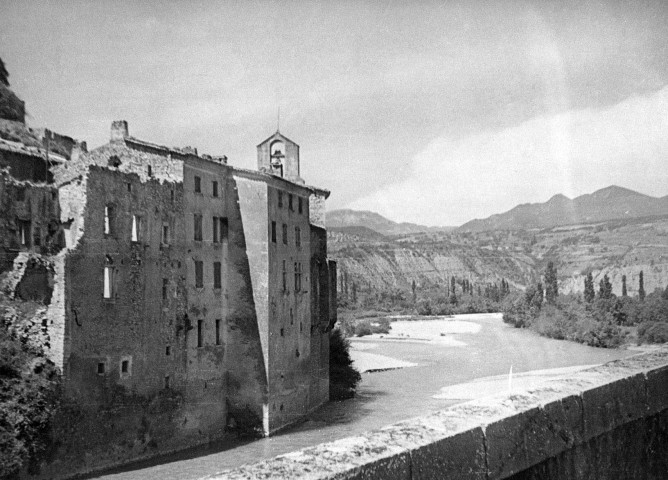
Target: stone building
(190,299)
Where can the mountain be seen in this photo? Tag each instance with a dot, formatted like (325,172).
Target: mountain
(346,219)
(609,203)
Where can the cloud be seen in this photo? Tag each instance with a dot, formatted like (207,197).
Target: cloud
(576,152)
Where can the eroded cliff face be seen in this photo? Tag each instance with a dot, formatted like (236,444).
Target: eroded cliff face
(615,248)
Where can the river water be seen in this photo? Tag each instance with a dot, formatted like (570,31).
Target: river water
(443,353)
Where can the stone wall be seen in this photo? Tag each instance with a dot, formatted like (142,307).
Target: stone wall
(602,423)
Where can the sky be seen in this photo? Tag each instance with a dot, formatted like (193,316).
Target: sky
(427,112)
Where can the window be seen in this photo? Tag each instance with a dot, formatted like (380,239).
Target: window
(198,184)
(285,277)
(136,228)
(217,277)
(149,171)
(273,231)
(168,350)
(219,229)
(171,195)
(165,233)
(280,199)
(114,161)
(108,291)
(129,187)
(282,332)
(216,237)
(285,234)
(298,236)
(126,366)
(214,186)
(108,220)
(218,321)
(224,229)
(198,227)
(199,274)
(290,206)
(200,328)
(101,368)
(298,277)
(37,236)
(301,205)
(165,287)
(24,232)
(166,381)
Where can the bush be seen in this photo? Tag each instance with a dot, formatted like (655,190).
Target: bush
(29,394)
(343,376)
(656,332)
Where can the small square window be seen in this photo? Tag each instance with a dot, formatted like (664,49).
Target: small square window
(125,366)
(198,184)
(168,350)
(101,368)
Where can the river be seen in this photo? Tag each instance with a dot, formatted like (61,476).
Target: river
(448,358)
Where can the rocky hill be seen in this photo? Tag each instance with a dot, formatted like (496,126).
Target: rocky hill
(609,203)
(345,218)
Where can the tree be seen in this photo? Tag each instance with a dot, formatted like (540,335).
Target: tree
(4,74)
(605,288)
(641,287)
(452,285)
(354,293)
(413,286)
(343,376)
(624,292)
(589,293)
(551,287)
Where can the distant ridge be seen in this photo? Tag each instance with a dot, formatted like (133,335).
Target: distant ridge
(608,203)
(346,219)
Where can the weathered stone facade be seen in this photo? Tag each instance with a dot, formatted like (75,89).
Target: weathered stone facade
(190,299)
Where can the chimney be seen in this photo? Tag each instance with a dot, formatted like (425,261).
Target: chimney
(119,130)
(77,149)
(188,150)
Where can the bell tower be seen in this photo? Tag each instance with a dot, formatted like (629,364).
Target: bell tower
(279,156)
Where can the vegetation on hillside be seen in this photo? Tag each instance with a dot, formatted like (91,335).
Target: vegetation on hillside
(596,318)
(29,389)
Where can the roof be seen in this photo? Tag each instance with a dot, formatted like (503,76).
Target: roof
(262,176)
(277,134)
(17,147)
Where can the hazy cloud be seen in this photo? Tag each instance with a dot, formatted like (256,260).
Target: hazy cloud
(451,182)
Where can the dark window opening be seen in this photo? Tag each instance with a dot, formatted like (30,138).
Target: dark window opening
(168,350)
(199,274)
(282,332)
(220,229)
(217,275)
(285,234)
(290,206)
(198,227)
(285,277)
(165,233)
(218,321)
(114,161)
(273,232)
(297,353)
(200,325)
(166,381)
(298,236)
(301,205)
(280,199)
(198,184)
(101,367)
(165,286)
(215,188)
(171,195)
(125,366)
(149,171)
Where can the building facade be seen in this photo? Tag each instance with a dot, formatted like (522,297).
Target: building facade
(191,299)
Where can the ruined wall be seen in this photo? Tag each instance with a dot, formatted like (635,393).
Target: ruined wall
(602,423)
(29,219)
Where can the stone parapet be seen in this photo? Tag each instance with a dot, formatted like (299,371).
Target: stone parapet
(609,421)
